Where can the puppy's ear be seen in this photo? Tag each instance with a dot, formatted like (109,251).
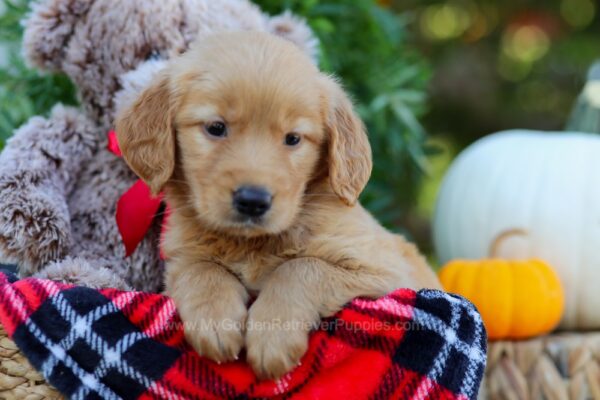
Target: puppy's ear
(349,152)
(146,134)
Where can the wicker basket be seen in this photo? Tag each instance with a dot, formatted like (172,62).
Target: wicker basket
(558,366)
(18,379)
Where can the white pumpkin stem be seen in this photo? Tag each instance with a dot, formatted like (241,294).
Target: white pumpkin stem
(591,92)
(501,237)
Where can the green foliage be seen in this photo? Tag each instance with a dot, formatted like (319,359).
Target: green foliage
(362,43)
(366,46)
(24,92)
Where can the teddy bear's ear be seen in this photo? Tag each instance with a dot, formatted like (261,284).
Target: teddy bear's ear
(48,29)
(297,31)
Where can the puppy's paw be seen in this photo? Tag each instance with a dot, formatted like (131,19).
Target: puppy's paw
(275,347)
(216,330)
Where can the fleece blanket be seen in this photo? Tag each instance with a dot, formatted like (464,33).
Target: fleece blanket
(110,344)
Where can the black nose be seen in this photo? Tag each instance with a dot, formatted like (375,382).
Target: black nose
(252,201)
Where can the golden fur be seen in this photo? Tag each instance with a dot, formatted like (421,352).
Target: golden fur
(315,250)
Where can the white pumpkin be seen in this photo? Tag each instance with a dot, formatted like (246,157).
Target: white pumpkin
(546,184)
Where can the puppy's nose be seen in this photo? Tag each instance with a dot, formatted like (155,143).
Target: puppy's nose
(252,201)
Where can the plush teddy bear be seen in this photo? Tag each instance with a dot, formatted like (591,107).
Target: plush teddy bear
(59,183)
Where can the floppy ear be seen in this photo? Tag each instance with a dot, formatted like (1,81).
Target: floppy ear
(48,29)
(146,134)
(349,152)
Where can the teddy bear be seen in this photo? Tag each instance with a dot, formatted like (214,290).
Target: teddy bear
(59,181)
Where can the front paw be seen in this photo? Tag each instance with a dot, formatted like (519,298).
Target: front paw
(216,330)
(274,346)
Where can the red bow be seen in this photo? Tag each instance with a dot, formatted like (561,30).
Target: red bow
(136,208)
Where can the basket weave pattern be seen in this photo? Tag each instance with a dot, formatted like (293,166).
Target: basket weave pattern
(559,366)
(18,379)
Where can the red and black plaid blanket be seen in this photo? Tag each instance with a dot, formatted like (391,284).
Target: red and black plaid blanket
(110,344)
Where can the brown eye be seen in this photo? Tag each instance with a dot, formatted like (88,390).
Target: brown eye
(292,139)
(216,129)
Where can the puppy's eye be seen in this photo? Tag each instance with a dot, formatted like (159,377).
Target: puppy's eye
(292,139)
(216,129)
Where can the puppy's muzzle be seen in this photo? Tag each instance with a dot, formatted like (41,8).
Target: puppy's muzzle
(252,201)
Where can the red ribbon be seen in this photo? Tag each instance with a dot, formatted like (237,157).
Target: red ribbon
(136,208)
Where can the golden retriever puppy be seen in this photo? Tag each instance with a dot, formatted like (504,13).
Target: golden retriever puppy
(261,158)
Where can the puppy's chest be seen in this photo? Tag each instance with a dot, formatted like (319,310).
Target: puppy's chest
(254,271)
(252,261)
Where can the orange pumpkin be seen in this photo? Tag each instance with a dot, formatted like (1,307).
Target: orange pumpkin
(516,299)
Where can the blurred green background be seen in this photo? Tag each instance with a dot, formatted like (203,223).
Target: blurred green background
(428,77)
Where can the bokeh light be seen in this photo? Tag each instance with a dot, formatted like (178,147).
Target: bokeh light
(525,44)
(484,19)
(445,21)
(479,27)
(521,47)
(578,13)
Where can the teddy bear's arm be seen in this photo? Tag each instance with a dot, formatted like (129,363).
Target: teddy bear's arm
(38,168)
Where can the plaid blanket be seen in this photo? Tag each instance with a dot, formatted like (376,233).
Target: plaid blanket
(110,344)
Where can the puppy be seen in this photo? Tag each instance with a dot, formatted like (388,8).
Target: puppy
(261,158)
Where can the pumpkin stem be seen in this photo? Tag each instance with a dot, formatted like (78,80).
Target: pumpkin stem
(585,116)
(501,237)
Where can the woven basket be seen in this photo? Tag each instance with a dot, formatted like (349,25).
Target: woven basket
(558,366)
(18,379)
